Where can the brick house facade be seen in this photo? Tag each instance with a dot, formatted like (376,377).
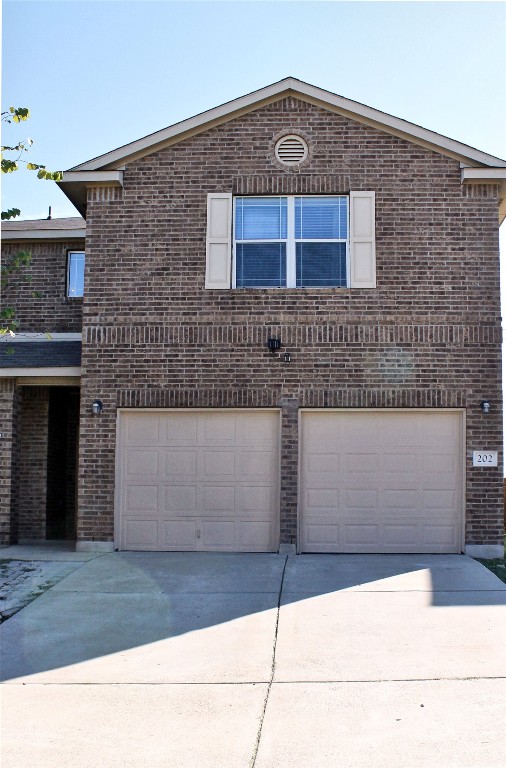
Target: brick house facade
(413,350)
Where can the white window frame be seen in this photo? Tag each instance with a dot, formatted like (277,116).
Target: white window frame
(291,243)
(69,259)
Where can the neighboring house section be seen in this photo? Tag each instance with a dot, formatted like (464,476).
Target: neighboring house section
(291,321)
(40,370)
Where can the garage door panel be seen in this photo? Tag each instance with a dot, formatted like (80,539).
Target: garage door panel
(142,533)
(321,498)
(178,534)
(141,498)
(322,462)
(255,500)
(439,463)
(439,499)
(180,499)
(361,462)
(392,472)
(218,464)
(361,499)
(400,462)
(258,432)
(401,535)
(218,499)
(402,499)
(254,536)
(218,534)
(178,429)
(321,537)
(255,464)
(180,463)
(219,430)
(360,534)
(439,535)
(143,432)
(144,463)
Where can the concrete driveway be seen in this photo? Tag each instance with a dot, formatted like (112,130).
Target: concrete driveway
(259,661)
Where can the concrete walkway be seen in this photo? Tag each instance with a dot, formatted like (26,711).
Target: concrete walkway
(259,661)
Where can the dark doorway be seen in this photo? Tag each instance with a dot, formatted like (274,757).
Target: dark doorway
(63,428)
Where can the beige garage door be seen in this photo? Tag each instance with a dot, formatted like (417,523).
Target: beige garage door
(198,480)
(381,481)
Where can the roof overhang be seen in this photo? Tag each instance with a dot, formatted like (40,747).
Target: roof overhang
(14,235)
(289,87)
(488,176)
(78,178)
(75,184)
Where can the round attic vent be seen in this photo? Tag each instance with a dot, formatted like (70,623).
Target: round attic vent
(291,150)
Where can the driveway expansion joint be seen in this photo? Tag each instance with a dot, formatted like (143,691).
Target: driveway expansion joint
(273,669)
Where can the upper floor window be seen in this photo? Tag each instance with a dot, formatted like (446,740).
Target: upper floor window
(291,242)
(75,273)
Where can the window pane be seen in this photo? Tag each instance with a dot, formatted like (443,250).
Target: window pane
(260,218)
(321,264)
(321,218)
(76,274)
(261,266)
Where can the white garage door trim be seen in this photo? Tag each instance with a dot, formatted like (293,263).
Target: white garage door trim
(232,458)
(344,543)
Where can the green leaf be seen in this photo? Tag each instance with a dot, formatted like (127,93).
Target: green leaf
(33,166)
(19,114)
(10,214)
(8,166)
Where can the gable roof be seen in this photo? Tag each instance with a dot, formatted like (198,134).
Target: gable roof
(111,164)
(73,227)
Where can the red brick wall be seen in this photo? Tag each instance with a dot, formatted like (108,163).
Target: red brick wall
(428,335)
(47,276)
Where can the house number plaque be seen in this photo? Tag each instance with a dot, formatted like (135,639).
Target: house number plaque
(484,458)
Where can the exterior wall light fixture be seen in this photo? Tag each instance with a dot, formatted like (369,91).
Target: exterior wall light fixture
(287,357)
(485,406)
(273,344)
(97,407)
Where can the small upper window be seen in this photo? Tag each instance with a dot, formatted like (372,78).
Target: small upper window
(75,274)
(291,242)
(290,150)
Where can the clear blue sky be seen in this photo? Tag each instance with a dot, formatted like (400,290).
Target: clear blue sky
(98,74)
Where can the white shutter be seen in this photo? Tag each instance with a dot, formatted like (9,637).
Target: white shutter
(362,240)
(218,243)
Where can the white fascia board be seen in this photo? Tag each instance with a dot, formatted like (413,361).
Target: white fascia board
(483,175)
(291,87)
(21,336)
(114,178)
(71,371)
(43,234)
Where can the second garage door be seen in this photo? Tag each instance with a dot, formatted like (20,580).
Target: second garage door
(381,481)
(198,480)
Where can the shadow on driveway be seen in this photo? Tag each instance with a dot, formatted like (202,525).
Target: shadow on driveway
(212,617)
